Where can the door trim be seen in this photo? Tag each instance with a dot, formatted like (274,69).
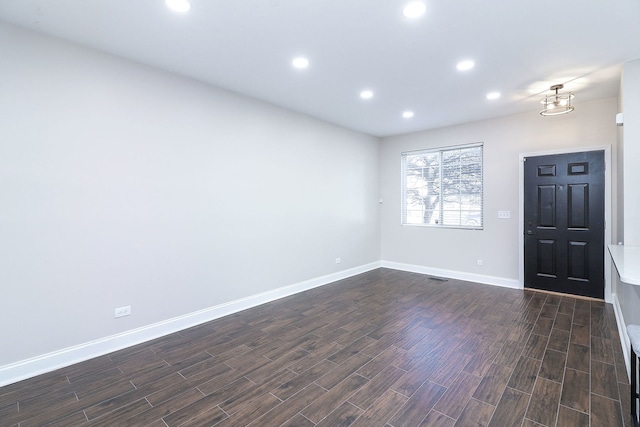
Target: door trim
(607,208)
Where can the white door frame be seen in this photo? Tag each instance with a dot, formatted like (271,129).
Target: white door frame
(607,208)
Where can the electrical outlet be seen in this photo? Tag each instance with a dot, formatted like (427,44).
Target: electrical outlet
(338,260)
(504,214)
(480,262)
(123,311)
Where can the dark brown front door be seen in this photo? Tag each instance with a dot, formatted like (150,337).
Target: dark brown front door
(564,223)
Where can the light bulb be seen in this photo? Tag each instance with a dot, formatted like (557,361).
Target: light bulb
(180,6)
(414,9)
(300,62)
(366,94)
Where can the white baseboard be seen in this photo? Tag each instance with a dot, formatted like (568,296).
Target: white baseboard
(28,368)
(622,330)
(451,274)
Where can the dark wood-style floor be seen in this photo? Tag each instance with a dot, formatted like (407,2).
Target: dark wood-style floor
(385,348)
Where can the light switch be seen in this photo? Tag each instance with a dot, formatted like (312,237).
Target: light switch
(504,214)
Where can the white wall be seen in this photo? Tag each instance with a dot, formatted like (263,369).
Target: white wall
(124,185)
(631,138)
(591,124)
(629,295)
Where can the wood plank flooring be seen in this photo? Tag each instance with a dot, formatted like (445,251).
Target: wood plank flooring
(384,348)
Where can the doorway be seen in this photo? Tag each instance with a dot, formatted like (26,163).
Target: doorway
(564,223)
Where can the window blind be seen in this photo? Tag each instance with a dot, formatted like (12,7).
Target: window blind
(443,187)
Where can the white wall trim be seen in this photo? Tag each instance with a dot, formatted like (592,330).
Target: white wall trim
(451,274)
(622,330)
(607,208)
(28,368)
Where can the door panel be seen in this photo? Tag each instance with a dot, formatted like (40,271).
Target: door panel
(578,259)
(547,258)
(578,200)
(564,223)
(547,206)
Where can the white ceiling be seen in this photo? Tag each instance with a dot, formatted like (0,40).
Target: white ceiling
(520,49)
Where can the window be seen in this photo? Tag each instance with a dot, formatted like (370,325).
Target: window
(443,187)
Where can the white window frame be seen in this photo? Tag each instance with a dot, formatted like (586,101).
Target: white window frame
(440,152)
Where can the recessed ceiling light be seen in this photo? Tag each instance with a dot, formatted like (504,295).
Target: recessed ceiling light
(493,95)
(366,94)
(465,65)
(180,6)
(300,62)
(414,9)
(407,114)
